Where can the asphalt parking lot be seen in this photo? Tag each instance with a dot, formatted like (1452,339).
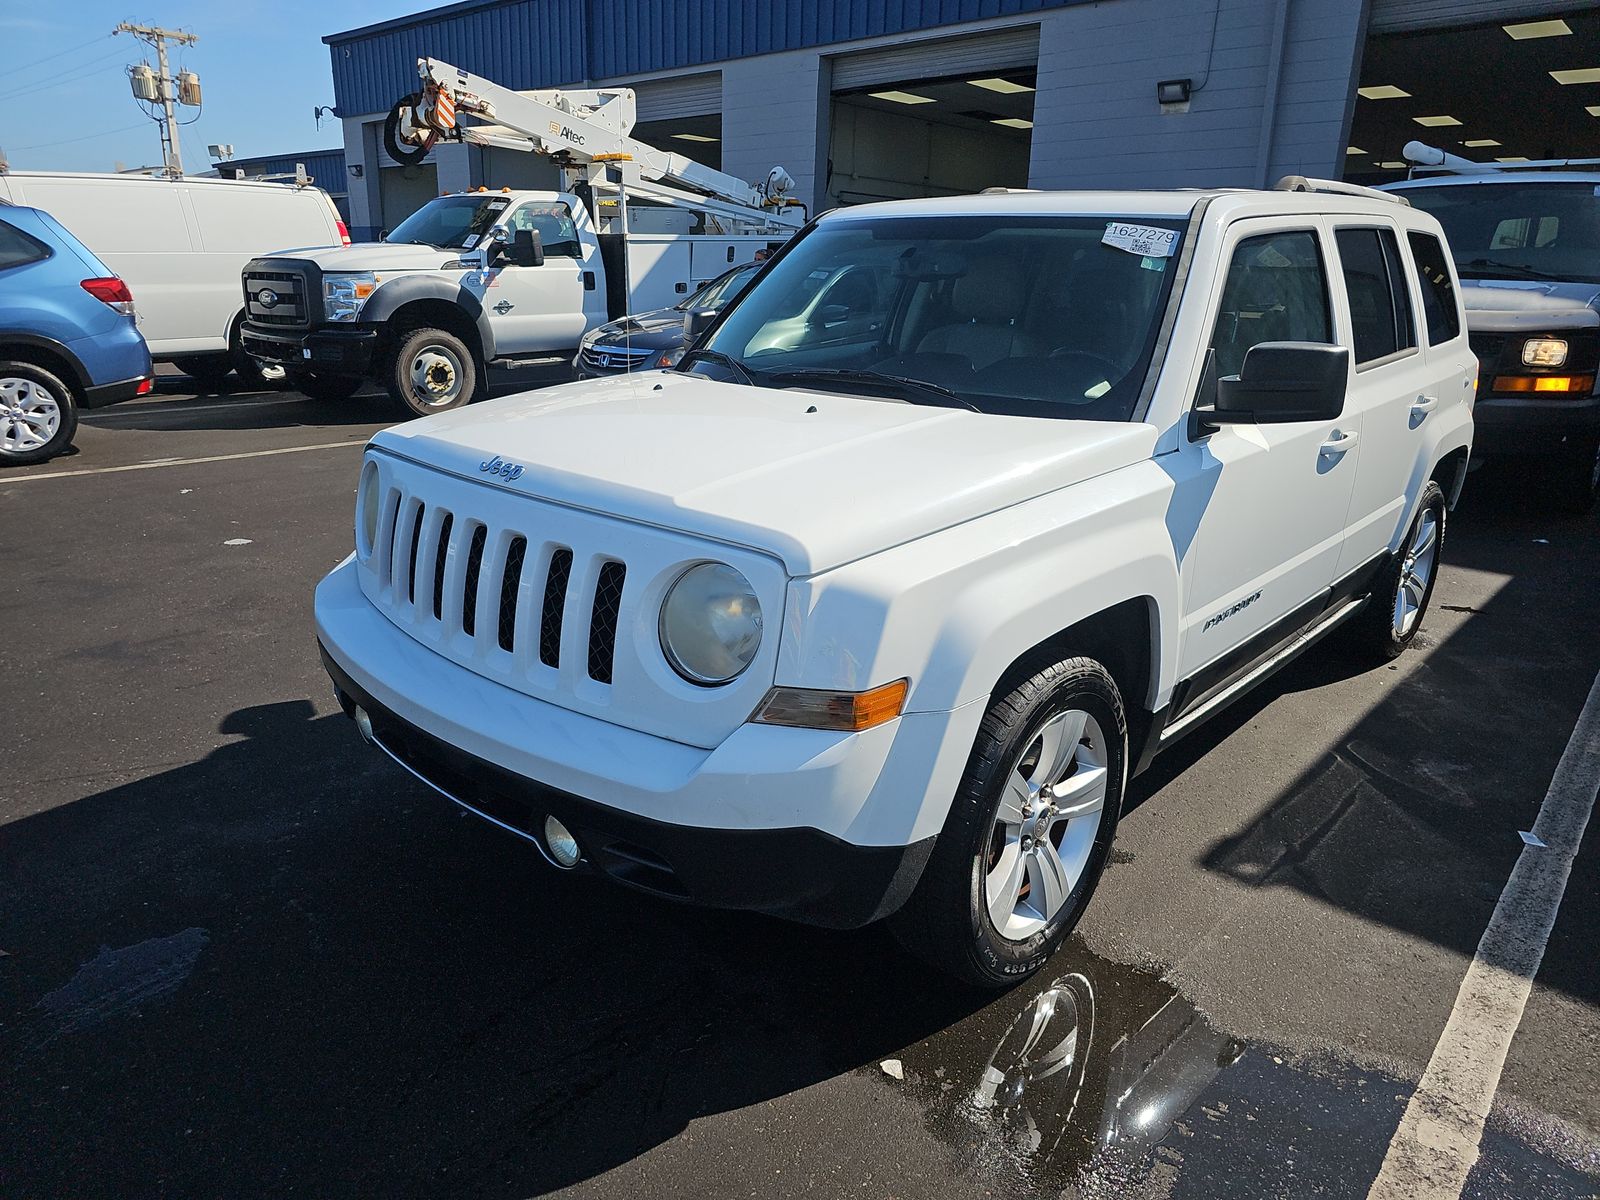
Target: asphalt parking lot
(242,955)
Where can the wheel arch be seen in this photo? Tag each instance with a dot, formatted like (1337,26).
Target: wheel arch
(1450,473)
(1123,637)
(48,354)
(415,302)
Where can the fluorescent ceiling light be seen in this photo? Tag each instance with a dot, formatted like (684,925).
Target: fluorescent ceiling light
(1435,122)
(1580,75)
(1538,29)
(1004,86)
(1478,142)
(1354,150)
(902,98)
(1013,123)
(1593,110)
(1382,91)
(1392,166)
(1513,158)
(694,137)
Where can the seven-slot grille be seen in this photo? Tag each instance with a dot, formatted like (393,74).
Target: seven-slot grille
(603,357)
(275,297)
(520,592)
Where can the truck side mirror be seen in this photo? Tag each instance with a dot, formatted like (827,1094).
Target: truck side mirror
(1279,383)
(527,249)
(697,321)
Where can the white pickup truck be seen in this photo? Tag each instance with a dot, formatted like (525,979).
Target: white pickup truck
(874,617)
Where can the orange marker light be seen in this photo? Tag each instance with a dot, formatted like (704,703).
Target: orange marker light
(1566,384)
(850,712)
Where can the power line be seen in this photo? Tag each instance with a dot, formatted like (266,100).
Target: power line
(86,137)
(61,54)
(75,74)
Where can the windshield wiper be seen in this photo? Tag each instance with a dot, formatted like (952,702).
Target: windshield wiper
(717,356)
(941,396)
(1516,271)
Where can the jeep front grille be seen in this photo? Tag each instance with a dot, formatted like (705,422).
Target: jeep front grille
(461,567)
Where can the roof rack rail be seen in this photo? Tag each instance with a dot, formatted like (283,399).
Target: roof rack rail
(1299,183)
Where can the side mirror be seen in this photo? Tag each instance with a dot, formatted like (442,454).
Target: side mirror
(527,249)
(830,314)
(695,322)
(1279,383)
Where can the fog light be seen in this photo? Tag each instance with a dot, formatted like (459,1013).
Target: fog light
(363,723)
(562,845)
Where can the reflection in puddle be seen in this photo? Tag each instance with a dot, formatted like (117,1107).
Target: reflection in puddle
(1091,1065)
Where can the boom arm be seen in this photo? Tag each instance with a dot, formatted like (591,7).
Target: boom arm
(587,134)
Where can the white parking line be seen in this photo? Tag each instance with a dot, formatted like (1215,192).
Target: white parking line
(1436,1145)
(183,462)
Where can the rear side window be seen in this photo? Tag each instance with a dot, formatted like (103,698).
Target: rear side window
(1380,302)
(18,249)
(1438,293)
(1276,291)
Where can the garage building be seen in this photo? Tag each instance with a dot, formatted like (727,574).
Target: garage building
(866,100)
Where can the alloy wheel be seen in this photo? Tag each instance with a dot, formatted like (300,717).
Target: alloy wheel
(1046,824)
(29,415)
(1416,573)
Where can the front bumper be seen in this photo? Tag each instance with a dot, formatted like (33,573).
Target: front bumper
(331,351)
(1507,425)
(827,828)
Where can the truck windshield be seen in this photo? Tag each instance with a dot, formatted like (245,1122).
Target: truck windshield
(1027,316)
(1524,230)
(451,222)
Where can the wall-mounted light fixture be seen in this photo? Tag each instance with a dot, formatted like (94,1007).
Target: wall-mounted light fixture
(1173,91)
(356,170)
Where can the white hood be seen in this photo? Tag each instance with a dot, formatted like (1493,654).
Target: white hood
(1527,306)
(816,480)
(374,256)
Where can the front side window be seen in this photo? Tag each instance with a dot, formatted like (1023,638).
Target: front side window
(18,249)
(554,225)
(1524,229)
(451,222)
(1050,316)
(1276,291)
(1438,293)
(1380,302)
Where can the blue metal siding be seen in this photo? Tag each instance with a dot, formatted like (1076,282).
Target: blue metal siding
(548,43)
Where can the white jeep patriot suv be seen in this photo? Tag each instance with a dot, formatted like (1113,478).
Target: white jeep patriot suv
(870,609)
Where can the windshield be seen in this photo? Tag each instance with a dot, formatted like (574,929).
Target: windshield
(1032,316)
(1530,230)
(721,291)
(451,222)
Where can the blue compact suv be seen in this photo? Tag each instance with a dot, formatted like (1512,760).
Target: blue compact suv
(67,336)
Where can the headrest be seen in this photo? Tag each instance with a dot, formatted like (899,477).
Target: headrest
(989,289)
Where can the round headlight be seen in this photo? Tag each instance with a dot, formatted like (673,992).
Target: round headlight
(710,624)
(367,508)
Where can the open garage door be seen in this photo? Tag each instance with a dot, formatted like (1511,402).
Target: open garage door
(1524,86)
(682,114)
(937,117)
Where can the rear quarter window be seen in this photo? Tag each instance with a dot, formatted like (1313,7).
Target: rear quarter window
(17,249)
(1439,307)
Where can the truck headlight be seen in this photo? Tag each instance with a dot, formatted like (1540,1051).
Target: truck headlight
(344,294)
(710,624)
(1544,352)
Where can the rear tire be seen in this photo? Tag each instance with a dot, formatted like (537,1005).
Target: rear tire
(1576,480)
(431,371)
(331,389)
(1027,836)
(209,371)
(1394,614)
(38,414)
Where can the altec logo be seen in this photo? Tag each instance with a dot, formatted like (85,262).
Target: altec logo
(561,131)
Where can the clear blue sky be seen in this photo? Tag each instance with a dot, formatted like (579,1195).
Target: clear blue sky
(262,68)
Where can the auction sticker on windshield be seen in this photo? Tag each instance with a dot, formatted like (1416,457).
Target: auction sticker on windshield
(1146,240)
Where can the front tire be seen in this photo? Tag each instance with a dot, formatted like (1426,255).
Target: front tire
(431,371)
(331,389)
(1393,615)
(38,414)
(1027,837)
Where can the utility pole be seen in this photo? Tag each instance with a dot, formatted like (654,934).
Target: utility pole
(158,37)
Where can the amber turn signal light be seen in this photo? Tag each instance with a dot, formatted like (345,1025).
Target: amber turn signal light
(850,712)
(1567,384)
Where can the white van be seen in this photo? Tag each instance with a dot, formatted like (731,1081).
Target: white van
(181,244)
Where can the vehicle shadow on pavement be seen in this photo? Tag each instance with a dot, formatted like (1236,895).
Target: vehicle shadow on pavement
(288,967)
(242,410)
(1411,820)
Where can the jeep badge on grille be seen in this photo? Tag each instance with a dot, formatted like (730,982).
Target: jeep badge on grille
(499,466)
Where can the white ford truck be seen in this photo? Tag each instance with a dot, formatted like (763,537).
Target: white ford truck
(873,618)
